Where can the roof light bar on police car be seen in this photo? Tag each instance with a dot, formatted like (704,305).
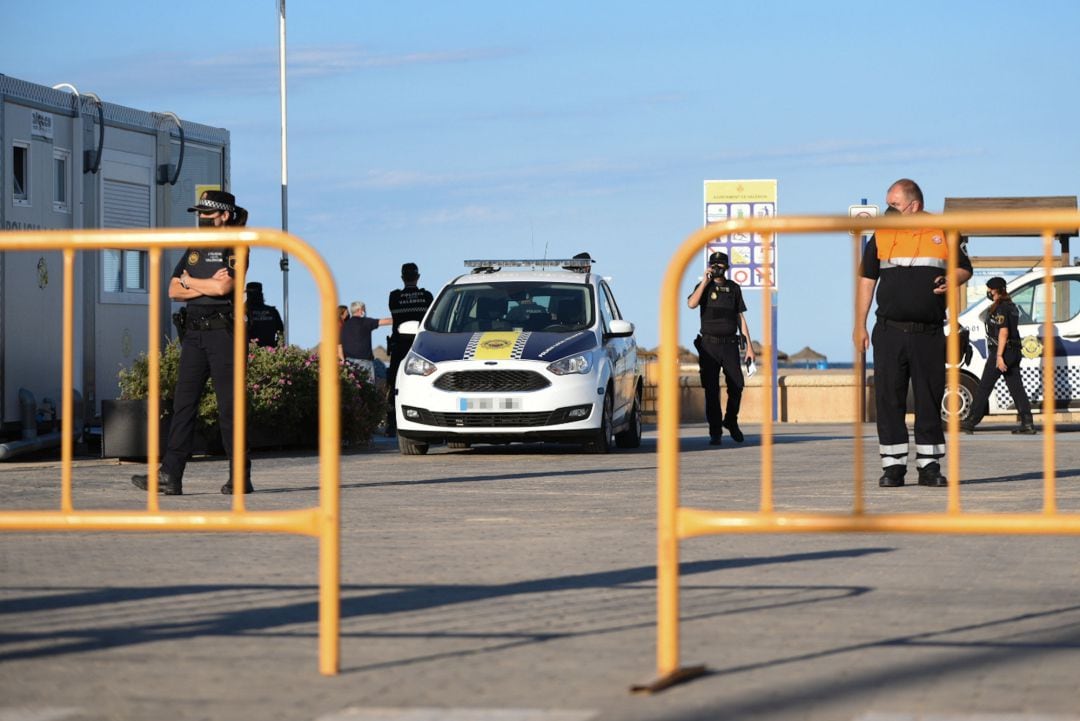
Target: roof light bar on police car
(525,262)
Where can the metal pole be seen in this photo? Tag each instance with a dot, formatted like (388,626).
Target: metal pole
(284,168)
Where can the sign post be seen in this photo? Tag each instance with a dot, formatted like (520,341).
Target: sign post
(863,210)
(732,199)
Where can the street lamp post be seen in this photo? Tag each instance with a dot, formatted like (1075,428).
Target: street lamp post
(284,166)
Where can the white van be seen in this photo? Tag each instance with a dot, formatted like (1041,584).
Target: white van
(1029,294)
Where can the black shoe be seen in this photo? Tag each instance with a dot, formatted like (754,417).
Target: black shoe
(715,440)
(930,475)
(227,489)
(733,428)
(167,485)
(1025,429)
(892,477)
(967,427)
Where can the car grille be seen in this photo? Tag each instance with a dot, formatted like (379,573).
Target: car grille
(497,420)
(493,381)
(491,420)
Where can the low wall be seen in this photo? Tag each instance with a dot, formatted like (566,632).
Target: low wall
(805,396)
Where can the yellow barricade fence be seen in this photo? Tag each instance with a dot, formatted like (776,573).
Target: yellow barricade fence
(675,523)
(322,522)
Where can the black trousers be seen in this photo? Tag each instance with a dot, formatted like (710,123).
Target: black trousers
(981,405)
(399,348)
(918,358)
(203,354)
(714,357)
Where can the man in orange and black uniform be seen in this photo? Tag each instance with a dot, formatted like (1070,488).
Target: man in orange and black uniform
(909,269)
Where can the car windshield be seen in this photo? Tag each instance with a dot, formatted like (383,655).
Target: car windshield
(524,305)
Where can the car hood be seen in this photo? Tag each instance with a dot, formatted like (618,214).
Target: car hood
(502,345)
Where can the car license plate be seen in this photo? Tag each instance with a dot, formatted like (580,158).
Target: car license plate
(490,404)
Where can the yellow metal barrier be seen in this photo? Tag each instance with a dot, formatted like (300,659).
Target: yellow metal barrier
(675,523)
(322,522)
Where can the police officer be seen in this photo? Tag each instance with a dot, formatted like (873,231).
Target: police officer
(718,345)
(908,269)
(407,303)
(203,278)
(264,322)
(1002,359)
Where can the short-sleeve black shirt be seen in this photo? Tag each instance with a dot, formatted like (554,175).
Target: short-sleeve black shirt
(1005,315)
(356,337)
(202,263)
(906,294)
(720,306)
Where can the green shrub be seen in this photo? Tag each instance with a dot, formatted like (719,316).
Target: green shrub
(282,394)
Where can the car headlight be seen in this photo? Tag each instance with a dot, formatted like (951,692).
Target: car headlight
(418,365)
(578,363)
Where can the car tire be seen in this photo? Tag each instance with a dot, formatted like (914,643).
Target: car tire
(410,447)
(602,439)
(966,390)
(457,445)
(631,437)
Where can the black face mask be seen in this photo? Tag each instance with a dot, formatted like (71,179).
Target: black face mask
(989,295)
(891,211)
(206,222)
(717,271)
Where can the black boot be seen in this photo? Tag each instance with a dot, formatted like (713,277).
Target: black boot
(930,475)
(966,426)
(1027,426)
(167,484)
(892,477)
(227,489)
(732,424)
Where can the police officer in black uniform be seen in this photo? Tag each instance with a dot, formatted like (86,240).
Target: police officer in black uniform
(264,322)
(1002,359)
(908,270)
(203,278)
(407,303)
(718,345)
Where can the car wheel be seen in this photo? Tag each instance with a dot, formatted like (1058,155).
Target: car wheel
(409,447)
(966,397)
(458,444)
(631,437)
(602,440)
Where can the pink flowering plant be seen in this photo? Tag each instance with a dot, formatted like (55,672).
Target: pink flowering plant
(283,394)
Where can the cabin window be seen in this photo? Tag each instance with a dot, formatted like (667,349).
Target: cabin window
(20,173)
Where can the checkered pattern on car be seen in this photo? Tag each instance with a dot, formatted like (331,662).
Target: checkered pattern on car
(1066,385)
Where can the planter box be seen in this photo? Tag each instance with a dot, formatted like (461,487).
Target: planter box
(123,429)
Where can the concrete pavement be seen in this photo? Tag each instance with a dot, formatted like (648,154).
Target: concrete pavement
(517,583)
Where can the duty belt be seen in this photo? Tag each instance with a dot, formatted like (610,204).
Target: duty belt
(913,327)
(1008,343)
(719,338)
(214,321)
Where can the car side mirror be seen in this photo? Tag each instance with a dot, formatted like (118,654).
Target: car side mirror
(620,329)
(409,327)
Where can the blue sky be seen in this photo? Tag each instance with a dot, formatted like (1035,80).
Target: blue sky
(433,132)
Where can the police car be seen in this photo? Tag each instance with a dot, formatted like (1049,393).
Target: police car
(1029,294)
(521,350)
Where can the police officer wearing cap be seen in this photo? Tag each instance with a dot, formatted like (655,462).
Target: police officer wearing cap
(264,324)
(203,278)
(408,303)
(1002,319)
(908,269)
(718,345)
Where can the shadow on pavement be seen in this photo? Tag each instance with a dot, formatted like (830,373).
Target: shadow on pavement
(186,618)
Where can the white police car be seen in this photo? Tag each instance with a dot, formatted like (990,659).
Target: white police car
(521,350)
(1029,293)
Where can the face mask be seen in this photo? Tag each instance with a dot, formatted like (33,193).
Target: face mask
(717,271)
(891,211)
(206,222)
(989,295)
